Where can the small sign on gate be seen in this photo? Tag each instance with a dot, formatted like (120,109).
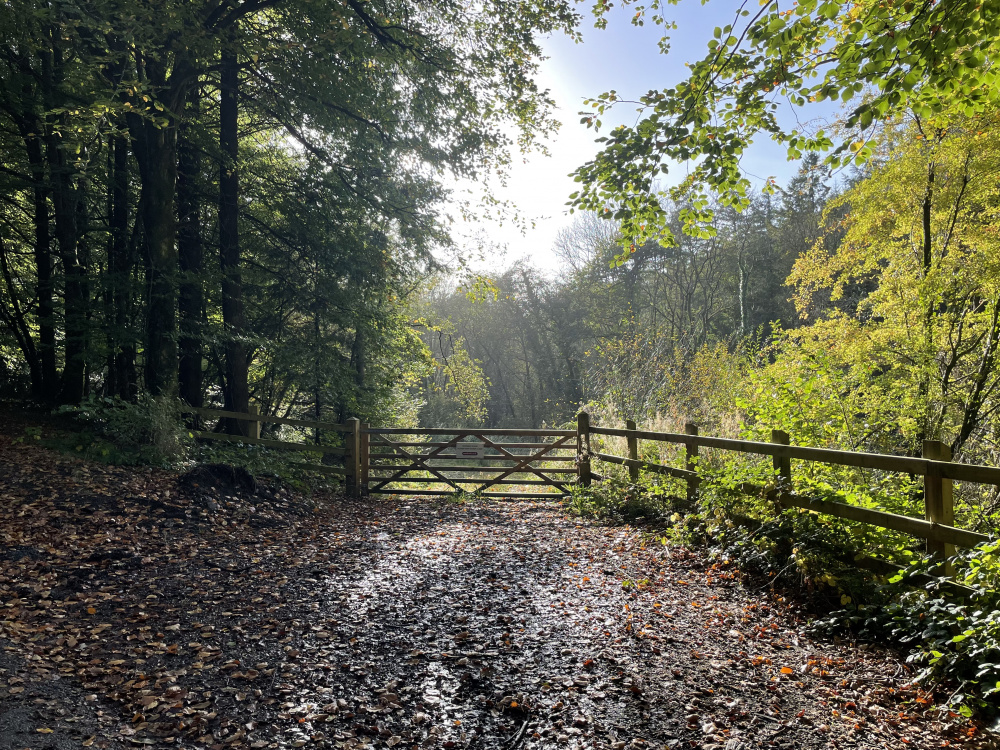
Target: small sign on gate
(470,450)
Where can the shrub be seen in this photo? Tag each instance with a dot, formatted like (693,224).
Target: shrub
(149,431)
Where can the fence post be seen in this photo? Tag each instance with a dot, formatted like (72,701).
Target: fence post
(782,464)
(352,459)
(253,427)
(633,451)
(583,449)
(782,467)
(939,504)
(365,458)
(691,462)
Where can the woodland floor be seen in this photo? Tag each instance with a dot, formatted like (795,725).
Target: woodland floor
(139,608)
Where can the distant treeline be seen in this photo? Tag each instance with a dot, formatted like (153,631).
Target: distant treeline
(622,335)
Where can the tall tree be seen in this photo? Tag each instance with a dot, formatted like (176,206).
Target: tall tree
(190,247)
(237,388)
(121,376)
(916,354)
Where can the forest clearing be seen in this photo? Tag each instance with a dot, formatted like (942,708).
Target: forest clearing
(146,608)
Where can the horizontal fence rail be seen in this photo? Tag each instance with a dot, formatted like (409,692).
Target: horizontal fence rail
(645,466)
(451,431)
(384,442)
(445,456)
(475,469)
(976,473)
(249,423)
(917,527)
(255,417)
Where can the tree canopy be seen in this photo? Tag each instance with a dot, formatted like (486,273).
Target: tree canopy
(307,142)
(903,311)
(880,59)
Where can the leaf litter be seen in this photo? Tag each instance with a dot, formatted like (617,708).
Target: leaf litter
(142,608)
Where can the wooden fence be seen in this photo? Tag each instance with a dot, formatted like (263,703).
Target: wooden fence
(378,459)
(935,466)
(249,425)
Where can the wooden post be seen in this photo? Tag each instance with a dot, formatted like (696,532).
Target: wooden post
(633,451)
(352,461)
(365,458)
(939,504)
(782,465)
(691,463)
(583,449)
(253,427)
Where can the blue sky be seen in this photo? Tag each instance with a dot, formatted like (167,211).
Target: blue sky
(627,59)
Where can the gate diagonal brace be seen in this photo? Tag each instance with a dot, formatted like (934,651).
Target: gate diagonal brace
(419,463)
(523,463)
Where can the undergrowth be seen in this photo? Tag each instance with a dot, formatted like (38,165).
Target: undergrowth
(152,432)
(274,464)
(618,499)
(112,431)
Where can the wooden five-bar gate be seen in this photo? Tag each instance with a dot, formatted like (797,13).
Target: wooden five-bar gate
(472,460)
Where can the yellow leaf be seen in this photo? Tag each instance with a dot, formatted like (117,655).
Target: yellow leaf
(787,670)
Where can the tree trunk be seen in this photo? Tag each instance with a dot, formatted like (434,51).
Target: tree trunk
(156,155)
(927,237)
(44,389)
(358,363)
(34,132)
(107,273)
(317,374)
(64,201)
(359,357)
(120,266)
(191,303)
(82,275)
(744,274)
(233,316)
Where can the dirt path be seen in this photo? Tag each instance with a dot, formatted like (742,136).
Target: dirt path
(176,614)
